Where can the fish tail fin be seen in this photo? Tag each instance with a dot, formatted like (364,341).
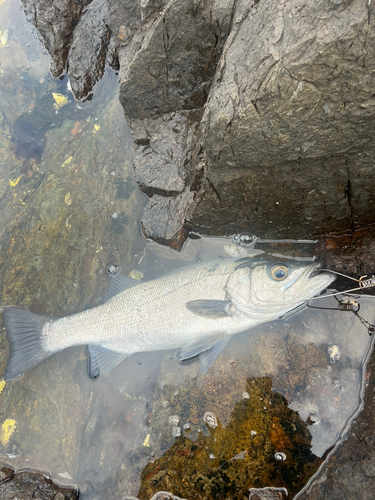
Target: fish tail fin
(24,333)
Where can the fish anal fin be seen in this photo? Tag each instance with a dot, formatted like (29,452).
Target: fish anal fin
(211,309)
(102,360)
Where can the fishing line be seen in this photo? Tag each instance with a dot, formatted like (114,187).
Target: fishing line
(347,304)
(363,284)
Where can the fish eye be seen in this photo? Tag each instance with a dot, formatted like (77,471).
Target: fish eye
(279,272)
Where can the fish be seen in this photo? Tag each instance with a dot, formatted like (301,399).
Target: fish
(194,309)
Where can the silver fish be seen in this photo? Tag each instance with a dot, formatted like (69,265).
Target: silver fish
(195,309)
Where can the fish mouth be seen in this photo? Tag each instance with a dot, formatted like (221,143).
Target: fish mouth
(313,281)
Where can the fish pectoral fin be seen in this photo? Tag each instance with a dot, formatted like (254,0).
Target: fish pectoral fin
(212,309)
(120,283)
(102,360)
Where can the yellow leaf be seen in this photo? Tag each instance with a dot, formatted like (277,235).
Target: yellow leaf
(2,385)
(7,430)
(3,38)
(146,442)
(66,162)
(15,182)
(68,199)
(96,128)
(60,99)
(135,274)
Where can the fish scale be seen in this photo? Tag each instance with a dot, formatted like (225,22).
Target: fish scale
(136,319)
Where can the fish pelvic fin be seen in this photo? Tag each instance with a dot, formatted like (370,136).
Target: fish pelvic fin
(207,349)
(24,333)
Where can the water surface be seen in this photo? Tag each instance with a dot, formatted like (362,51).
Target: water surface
(266,413)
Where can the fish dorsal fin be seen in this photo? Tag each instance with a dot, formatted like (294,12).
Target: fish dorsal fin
(207,349)
(211,309)
(248,262)
(120,283)
(102,360)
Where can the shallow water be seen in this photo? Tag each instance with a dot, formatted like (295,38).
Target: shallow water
(264,415)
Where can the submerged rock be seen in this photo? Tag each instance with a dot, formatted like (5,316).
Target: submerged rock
(349,471)
(229,458)
(57,237)
(25,485)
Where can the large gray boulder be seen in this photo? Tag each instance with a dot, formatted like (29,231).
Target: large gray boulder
(287,127)
(166,71)
(263,109)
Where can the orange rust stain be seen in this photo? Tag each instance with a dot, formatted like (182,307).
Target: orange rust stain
(77,128)
(338,242)
(11,245)
(152,473)
(331,243)
(183,452)
(278,437)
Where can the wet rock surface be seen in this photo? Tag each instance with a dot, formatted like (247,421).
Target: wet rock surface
(273,139)
(157,78)
(162,218)
(88,49)
(231,459)
(285,153)
(349,472)
(162,165)
(164,68)
(56,38)
(26,485)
